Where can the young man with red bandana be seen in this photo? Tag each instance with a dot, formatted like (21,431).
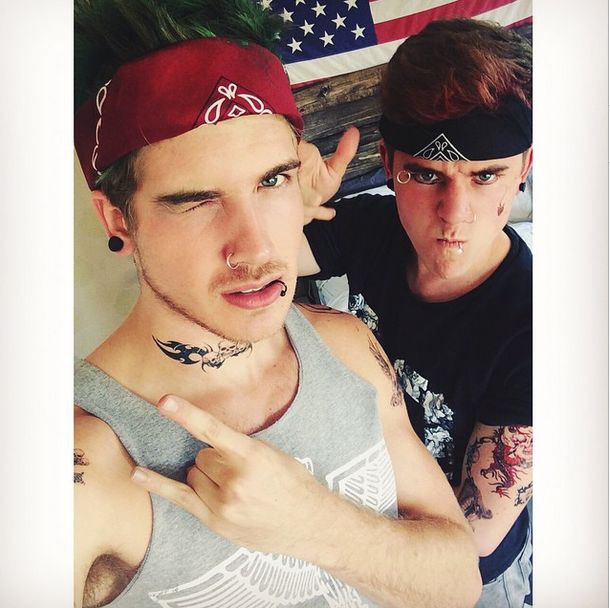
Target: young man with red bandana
(233,449)
(442,280)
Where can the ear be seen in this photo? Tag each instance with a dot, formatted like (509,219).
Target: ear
(112,221)
(527,165)
(385,157)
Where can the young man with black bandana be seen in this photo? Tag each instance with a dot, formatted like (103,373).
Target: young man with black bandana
(233,449)
(442,280)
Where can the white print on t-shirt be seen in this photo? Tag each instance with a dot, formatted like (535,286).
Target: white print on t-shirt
(438,416)
(251,579)
(357,306)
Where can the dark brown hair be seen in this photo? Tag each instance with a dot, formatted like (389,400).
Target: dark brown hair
(454,66)
(119,183)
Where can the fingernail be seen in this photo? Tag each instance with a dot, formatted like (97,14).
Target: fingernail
(169,404)
(139,475)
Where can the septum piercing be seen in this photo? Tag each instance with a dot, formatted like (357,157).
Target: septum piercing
(228,261)
(408,174)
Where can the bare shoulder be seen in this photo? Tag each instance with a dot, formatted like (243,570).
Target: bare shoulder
(109,509)
(353,343)
(102,466)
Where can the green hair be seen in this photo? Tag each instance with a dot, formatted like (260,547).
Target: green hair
(109,33)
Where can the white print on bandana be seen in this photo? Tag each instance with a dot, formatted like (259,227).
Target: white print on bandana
(438,416)
(232,102)
(100,98)
(251,579)
(440,148)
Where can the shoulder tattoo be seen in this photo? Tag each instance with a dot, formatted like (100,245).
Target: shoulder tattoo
(320,308)
(81,461)
(397,398)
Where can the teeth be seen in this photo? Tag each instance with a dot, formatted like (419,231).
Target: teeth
(251,290)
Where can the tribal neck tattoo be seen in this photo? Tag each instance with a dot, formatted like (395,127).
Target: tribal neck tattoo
(206,355)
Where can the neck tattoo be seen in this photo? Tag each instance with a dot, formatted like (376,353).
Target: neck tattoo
(206,355)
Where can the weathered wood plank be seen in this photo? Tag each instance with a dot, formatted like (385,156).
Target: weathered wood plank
(339,90)
(331,106)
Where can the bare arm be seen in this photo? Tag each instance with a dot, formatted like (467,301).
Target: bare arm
(258,497)
(496,481)
(111,516)
(434,561)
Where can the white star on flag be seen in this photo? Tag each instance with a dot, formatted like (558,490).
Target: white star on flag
(327,38)
(295,46)
(286,16)
(266,4)
(307,28)
(319,9)
(339,21)
(368,32)
(358,32)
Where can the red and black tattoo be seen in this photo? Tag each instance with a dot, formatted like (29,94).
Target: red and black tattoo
(511,457)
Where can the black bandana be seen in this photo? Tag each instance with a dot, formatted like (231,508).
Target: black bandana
(480,135)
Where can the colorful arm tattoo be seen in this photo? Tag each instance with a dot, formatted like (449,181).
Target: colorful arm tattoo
(511,457)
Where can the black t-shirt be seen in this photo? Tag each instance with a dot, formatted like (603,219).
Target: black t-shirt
(459,362)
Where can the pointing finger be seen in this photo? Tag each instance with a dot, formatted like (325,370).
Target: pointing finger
(202,425)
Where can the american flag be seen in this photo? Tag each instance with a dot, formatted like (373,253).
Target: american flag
(325,38)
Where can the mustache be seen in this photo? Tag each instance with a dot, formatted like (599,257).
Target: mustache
(245,272)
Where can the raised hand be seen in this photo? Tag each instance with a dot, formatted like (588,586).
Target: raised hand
(320,179)
(244,489)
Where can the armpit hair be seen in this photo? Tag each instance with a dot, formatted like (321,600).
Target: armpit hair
(108,576)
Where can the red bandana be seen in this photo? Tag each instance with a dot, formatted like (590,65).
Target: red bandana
(176,89)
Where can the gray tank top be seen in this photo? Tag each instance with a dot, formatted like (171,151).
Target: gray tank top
(332,427)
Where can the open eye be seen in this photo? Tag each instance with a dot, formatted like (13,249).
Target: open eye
(486,177)
(273,181)
(425,176)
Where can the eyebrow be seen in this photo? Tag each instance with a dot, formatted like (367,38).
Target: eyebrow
(414,166)
(197,196)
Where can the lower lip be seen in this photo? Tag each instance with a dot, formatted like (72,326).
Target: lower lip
(255,299)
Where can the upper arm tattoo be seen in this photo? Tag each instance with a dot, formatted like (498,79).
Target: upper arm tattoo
(397,398)
(511,456)
(79,460)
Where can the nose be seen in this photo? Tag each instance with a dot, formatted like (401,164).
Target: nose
(249,243)
(454,206)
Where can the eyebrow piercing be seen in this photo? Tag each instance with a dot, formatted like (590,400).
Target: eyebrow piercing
(403,173)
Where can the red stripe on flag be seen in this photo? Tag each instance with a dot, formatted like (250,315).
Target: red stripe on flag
(402,27)
(521,22)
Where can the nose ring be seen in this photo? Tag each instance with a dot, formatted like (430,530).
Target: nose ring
(228,261)
(402,180)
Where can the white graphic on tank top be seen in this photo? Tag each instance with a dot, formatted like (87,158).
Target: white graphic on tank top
(251,579)
(438,416)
